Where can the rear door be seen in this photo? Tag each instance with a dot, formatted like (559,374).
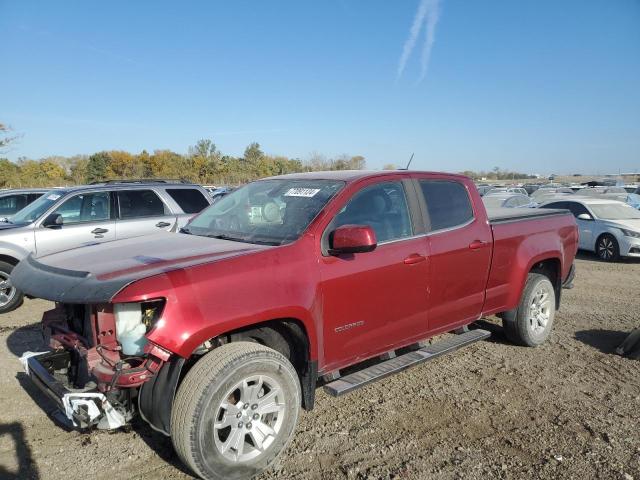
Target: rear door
(88,218)
(142,212)
(460,248)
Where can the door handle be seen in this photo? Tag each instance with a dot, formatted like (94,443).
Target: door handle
(414,258)
(99,231)
(163,224)
(478,244)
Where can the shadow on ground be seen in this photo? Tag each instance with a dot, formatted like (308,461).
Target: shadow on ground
(27,468)
(159,443)
(604,340)
(24,339)
(592,257)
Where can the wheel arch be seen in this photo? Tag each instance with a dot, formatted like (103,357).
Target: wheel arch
(288,336)
(9,259)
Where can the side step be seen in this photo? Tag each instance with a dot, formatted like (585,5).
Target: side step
(381,370)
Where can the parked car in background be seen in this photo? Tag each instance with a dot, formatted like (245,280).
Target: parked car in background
(519,190)
(609,228)
(219,192)
(85,215)
(14,200)
(546,192)
(226,335)
(631,188)
(483,189)
(530,188)
(595,191)
(508,200)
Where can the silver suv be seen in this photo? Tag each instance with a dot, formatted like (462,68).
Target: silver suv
(73,217)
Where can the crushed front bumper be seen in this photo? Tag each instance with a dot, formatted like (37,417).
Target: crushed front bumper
(79,409)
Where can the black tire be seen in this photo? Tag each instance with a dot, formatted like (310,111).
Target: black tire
(12,298)
(522,326)
(607,248)
(198,406)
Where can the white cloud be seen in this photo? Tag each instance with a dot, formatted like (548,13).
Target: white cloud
(427,15)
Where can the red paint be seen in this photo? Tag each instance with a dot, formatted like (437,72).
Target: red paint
(355,305)
(354,239)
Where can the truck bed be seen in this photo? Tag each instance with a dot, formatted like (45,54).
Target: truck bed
(505,215)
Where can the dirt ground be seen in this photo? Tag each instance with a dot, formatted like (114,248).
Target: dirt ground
(569,409)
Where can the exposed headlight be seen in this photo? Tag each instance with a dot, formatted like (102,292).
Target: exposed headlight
(133,321)
(630,233)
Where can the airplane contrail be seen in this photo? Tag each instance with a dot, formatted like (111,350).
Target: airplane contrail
(428,13)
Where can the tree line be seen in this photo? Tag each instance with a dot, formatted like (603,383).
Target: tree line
(203,164)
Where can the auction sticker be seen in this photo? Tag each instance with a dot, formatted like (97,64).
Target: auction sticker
(53,196)
(301,192)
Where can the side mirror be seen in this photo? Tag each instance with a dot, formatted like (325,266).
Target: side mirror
(53,221)
(353,239)
(585,216)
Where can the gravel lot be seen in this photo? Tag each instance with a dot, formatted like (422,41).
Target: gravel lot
(569,409)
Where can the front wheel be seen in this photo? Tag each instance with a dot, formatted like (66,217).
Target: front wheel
(530,324)
(607,248)
(10,297)
(235,411)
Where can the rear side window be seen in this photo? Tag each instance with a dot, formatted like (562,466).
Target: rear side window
(190,200)
(448,203)
(140,203)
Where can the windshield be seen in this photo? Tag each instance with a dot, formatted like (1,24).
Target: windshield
(614,212)
(33,211)
(270,212)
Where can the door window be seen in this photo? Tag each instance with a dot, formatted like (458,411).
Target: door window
(86,207)
(12,203)
(190,200)
(577,209)
(383,207)
(139,204)
(448,203)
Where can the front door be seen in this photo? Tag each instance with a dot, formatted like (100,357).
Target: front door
(372,301)
(87,220)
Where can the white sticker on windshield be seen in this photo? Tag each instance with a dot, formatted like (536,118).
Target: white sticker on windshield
(301,192)
(53,196)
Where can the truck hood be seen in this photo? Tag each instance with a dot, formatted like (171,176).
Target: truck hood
(95,273)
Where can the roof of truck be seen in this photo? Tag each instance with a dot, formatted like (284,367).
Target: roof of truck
(352,175)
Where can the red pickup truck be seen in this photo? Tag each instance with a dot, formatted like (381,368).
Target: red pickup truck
(219,334)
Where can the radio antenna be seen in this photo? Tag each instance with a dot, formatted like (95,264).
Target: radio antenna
(408,163)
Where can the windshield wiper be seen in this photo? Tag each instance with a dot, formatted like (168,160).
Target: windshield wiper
(185,230)
(223,236)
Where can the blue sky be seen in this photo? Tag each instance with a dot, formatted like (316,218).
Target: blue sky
(537,86)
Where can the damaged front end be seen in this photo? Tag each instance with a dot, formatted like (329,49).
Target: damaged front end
(99,358)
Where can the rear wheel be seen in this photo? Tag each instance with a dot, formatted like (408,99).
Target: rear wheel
(10,297)
(607,248)
(235,411)
(530,324)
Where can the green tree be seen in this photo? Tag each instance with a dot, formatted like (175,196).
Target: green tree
(97,167)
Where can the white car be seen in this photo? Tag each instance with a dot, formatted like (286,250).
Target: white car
(609,228)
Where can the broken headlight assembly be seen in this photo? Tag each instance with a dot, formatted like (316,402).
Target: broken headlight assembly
(133,321)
